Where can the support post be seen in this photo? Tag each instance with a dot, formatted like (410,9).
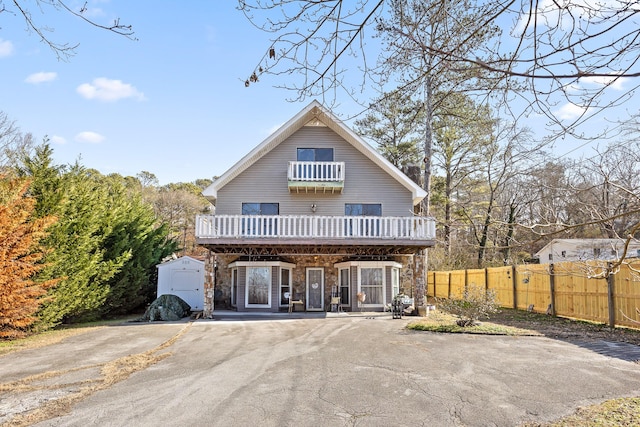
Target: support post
(514,286)
(610,297)
(552,290)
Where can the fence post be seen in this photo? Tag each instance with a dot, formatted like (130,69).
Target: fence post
(611,300)
(513,283)
(466,279)
(449,286)
(552,289)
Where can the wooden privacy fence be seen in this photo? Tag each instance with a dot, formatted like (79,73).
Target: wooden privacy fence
(565,289)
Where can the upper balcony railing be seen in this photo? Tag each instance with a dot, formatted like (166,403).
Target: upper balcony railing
(314,176)
(316,171)
(293,227)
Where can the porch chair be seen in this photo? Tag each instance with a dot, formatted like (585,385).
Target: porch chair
(335,302)
(292,301)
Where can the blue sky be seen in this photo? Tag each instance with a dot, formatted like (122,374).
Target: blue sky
(172,103)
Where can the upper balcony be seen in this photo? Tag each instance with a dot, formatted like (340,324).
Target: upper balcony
(282,234)
(313,177)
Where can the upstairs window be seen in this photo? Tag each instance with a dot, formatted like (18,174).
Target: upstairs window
(363,209)
(260,208)
(362,226)
(260,226)
(315,155)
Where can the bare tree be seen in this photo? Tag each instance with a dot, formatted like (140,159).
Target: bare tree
(62,50)
(13,143)
(571,51)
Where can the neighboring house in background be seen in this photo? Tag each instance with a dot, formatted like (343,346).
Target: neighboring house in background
(313,213)
(183,277)
(559,250)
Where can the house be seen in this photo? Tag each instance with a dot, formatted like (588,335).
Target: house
(183,277)
(313,213)
(559,250)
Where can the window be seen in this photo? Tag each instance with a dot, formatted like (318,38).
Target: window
(362,226)
(371,284)
(260,208)
(564,254)
(344,286)
(596,252)
(362,209)
(395,282)
(260,226)
(315,155)
(285,285)
(234,287)
(258,287)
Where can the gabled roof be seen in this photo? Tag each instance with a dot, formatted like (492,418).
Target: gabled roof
(182,258)
(313,112)
(575,243)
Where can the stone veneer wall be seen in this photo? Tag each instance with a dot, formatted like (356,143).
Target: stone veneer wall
(221,276)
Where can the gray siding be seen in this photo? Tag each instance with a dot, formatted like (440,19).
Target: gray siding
(266,181)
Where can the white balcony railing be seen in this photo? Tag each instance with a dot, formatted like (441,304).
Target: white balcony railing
(306,227)
(316,171)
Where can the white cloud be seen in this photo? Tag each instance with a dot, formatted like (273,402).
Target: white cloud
(58,140)
(614,82)
(570,111)
(89,137)
(41,77)
(104,89)
(6,48)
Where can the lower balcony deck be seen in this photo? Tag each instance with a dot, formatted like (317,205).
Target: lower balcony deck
(311,234)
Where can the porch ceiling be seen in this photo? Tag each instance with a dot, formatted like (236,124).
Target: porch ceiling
(314,247)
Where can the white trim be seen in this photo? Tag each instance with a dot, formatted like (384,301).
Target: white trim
(384,285)
(246,288)
(261,264)
(348,286)
(368,264)
(234,297)
(316,113)
(395,273)
(309,269)
(182,258)
(289,285)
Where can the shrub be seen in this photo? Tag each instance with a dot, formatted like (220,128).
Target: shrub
(476,303)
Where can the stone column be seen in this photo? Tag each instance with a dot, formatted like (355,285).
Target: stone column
(420,277)
(209,283)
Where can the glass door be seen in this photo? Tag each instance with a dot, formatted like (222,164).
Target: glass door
(315,289)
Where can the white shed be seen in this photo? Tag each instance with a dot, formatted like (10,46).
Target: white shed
(183,277)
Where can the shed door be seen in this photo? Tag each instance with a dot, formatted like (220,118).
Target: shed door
(315,289)
(187,285)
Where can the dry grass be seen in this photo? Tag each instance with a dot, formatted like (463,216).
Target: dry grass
(615,412)
(439,321)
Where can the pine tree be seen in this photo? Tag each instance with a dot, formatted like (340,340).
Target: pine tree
(20,255)
(135,230)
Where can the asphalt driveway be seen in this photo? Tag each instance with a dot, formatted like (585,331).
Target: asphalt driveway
(345,371)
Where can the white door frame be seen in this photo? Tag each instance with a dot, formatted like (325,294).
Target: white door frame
(312,286)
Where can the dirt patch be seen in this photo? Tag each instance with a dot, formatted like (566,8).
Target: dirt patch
(564,329)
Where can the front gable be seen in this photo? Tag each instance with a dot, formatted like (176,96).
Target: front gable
(314,127)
